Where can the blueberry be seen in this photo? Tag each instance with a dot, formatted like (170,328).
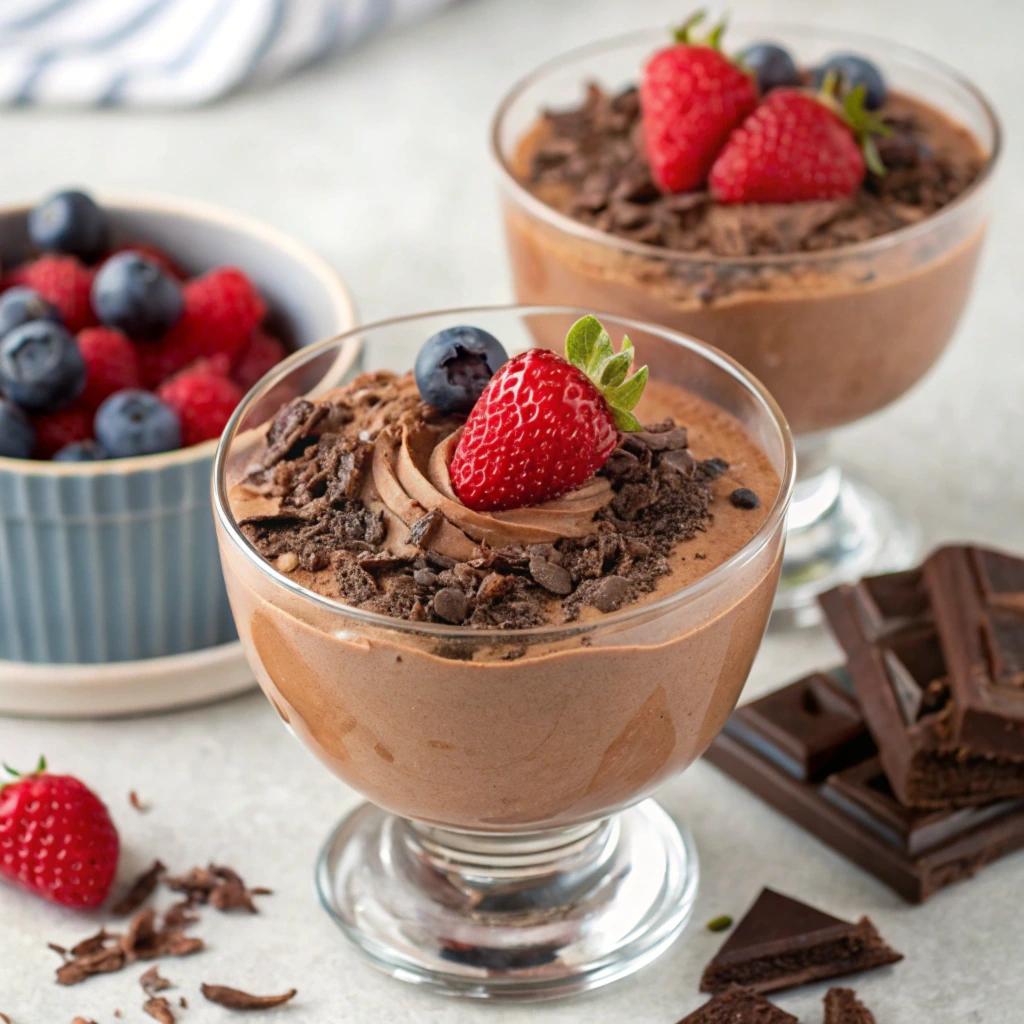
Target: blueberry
(772,66)
(454,366)
(41,367)
(19,305)
(17,438)
(135,422)
(70,222)
(81,451)
(133,294)
(853,71)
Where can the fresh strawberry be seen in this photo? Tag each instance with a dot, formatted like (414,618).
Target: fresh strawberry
(692,96)
(111,364)
(543,425)
(57,839)
(204,401)
(222,309)
(797,147)
(55,430)
(260,355)
(65,283)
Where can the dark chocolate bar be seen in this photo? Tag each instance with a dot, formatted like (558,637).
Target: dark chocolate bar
(890,628)
(978,597)
(852,809)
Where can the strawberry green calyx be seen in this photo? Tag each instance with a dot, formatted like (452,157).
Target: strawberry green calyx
(686,33)
(15,774)
(865,125)
(589,348)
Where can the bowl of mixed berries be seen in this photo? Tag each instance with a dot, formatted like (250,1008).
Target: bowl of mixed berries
(129,332)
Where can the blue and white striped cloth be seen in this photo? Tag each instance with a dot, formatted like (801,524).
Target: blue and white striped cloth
(173,52)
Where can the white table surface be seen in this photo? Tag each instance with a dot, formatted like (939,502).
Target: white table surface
(380,162)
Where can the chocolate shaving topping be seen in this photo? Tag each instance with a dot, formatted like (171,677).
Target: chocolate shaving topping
(235,999)
(421,531)
(139,805)
(745,498)
(589,161)
(159,1009)
(140,890)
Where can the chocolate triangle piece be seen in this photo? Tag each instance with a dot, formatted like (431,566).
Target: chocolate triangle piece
(843,1007)
(782,943)
(739,1006)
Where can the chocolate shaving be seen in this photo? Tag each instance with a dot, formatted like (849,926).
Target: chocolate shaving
(139,805)
(141,889)
(7,1020)
(235,999)
(76,1020)
(423,529)
(103,961)
(159,1009)
(217,885)
(60,950)
(152,982)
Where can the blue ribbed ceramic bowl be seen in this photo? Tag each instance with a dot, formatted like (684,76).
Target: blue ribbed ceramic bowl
(117,560)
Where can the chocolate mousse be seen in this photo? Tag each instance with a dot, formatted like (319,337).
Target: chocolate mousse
(351,496)
(507,669)
(839,305)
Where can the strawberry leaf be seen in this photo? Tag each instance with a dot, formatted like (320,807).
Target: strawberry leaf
(626,421)
(627,394)
(582,340)
(589,347)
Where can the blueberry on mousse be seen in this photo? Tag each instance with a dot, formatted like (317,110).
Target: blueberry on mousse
(851,72)
(20,305)
(454,366)
(771,65)
(41,367)
(136,422)
(17,438)
(72,223)
(134,295)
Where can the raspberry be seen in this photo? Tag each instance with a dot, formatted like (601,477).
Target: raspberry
(64,283)
(158,256)
(222,309)
(111,364)
(54,430)
(203,399)
(263,352)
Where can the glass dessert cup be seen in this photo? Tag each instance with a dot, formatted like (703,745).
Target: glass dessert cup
(835,335)
(510,848)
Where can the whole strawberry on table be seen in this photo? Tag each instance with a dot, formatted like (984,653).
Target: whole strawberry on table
(111,353)
(57,839)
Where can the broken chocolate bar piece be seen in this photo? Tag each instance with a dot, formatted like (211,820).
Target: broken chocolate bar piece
(853,810)
(782,943)
(739,1005)
(890,628)
(978,597)
(843,1007)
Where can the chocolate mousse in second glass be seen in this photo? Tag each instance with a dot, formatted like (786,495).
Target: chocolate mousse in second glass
(504,595)
(839,305)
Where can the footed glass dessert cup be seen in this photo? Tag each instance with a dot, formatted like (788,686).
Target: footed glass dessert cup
(509,848)
(835,334)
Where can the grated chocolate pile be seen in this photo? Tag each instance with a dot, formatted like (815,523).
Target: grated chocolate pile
(594,156)
(316,469)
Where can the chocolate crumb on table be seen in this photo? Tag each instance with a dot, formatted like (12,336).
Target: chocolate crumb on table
(140,890)
(159,1009)
(739,1006)
(843,1007)
(137,803)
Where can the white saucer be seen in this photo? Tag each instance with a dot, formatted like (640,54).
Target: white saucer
(123,687)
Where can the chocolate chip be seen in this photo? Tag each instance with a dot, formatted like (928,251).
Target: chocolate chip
(713,468)
(608,594)
(451,604)
(424,578)
(550,576)
(744,497)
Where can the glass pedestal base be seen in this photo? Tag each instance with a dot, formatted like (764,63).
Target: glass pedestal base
(838,530)
(525,917)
